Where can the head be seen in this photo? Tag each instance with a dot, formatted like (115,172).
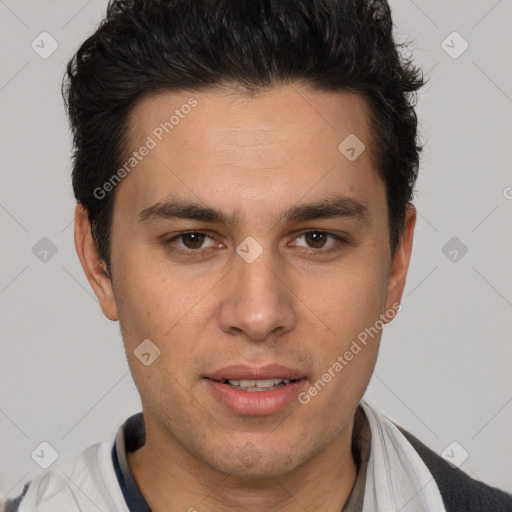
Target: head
(281,136)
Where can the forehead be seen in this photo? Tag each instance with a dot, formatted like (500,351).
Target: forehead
(239,118)
(222,146)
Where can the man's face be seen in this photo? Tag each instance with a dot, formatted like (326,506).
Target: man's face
(285,297)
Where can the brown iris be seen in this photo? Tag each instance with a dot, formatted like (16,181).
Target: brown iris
(315,239)
(193,240)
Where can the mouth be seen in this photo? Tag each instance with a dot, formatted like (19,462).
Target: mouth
(257,385)
(264,378)
(251,391)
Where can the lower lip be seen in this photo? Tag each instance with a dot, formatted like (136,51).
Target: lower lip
(255,403)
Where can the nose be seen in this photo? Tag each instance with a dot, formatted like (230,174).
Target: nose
(258,302)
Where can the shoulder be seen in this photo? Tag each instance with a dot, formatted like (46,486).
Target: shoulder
(86,482)
(459,491)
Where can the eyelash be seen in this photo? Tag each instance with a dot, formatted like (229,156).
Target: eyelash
(197,252)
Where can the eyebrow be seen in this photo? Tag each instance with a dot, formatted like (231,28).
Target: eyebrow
(184,209)
(339,206)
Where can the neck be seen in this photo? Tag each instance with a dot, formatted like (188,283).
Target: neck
(170,478)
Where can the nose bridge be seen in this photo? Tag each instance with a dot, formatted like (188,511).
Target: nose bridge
(258,302)
(257,276)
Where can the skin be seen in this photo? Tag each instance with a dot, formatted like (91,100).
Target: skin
(294,305)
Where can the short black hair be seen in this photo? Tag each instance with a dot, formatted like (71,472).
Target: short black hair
(150,46)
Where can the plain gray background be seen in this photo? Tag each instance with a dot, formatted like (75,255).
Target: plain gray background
(445,365)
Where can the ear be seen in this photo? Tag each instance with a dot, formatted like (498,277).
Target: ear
(94,267)
(400,263)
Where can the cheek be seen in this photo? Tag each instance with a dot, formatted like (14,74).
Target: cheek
(159,302)
(349,305)
(152,306)
(350,299)
(347,353)
(147,300)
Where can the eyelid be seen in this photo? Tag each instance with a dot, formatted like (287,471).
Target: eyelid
(175,236)
(340,240)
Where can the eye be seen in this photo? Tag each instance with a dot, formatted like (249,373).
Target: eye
(191,241)
(319,241)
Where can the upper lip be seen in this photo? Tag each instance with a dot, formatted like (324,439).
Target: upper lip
(241,371)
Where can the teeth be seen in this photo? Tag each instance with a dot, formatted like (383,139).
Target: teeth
(262,383)
(267,383)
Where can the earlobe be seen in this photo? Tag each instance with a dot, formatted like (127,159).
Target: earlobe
(94,267)
(400,263)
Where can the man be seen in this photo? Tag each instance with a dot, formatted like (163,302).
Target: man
(244,174)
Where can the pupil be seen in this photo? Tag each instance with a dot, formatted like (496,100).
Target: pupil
(316,239)
(193,240)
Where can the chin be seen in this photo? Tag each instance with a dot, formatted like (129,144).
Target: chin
(249,463)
